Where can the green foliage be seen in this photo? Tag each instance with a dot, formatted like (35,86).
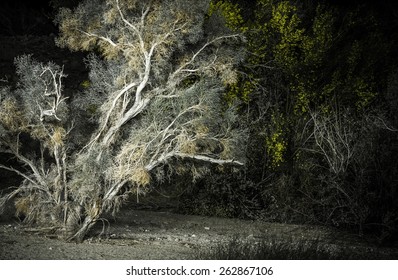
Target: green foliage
(230,12)
(303,45)
(276,141)
(240,90)
(85,84)
(285,23)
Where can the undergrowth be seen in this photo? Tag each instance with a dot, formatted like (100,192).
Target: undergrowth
(238,249)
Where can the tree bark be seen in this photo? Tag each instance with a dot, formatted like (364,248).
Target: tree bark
(88,223)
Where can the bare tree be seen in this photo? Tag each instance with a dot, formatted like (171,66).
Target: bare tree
(335,138)
(154,101)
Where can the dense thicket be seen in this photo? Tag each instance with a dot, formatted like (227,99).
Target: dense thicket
(319,86)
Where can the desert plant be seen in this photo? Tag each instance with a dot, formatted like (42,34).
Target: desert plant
(154,100)
(37,110)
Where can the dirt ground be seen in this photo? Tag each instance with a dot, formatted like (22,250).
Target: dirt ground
(151,235)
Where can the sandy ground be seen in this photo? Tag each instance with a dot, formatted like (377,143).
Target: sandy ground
(139,234)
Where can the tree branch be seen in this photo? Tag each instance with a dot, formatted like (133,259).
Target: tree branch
(108,114)
(19,173)
(209,159)
(28,162)
(182,68)
(132,26)
(164,158)
(106,39)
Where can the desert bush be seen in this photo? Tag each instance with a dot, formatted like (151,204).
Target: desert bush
(37,112)
(153,107)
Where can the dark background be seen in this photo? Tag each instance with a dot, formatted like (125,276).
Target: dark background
(36,17)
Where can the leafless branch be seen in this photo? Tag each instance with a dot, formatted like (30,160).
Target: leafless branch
(106,39)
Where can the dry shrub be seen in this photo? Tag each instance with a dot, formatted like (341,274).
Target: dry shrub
(130,131)
(95,210)
(202,130)
(140,176)
(58,136)
(227,151)
(38,133)
(34,211)
(11,116)
(181,169)
(186,145)
(23,206)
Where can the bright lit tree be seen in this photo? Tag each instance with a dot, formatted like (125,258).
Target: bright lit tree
(153,106)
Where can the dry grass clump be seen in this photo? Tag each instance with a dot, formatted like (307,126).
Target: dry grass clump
(11,116)
(23,206)
(186,145)
(140,177)
(58,136)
